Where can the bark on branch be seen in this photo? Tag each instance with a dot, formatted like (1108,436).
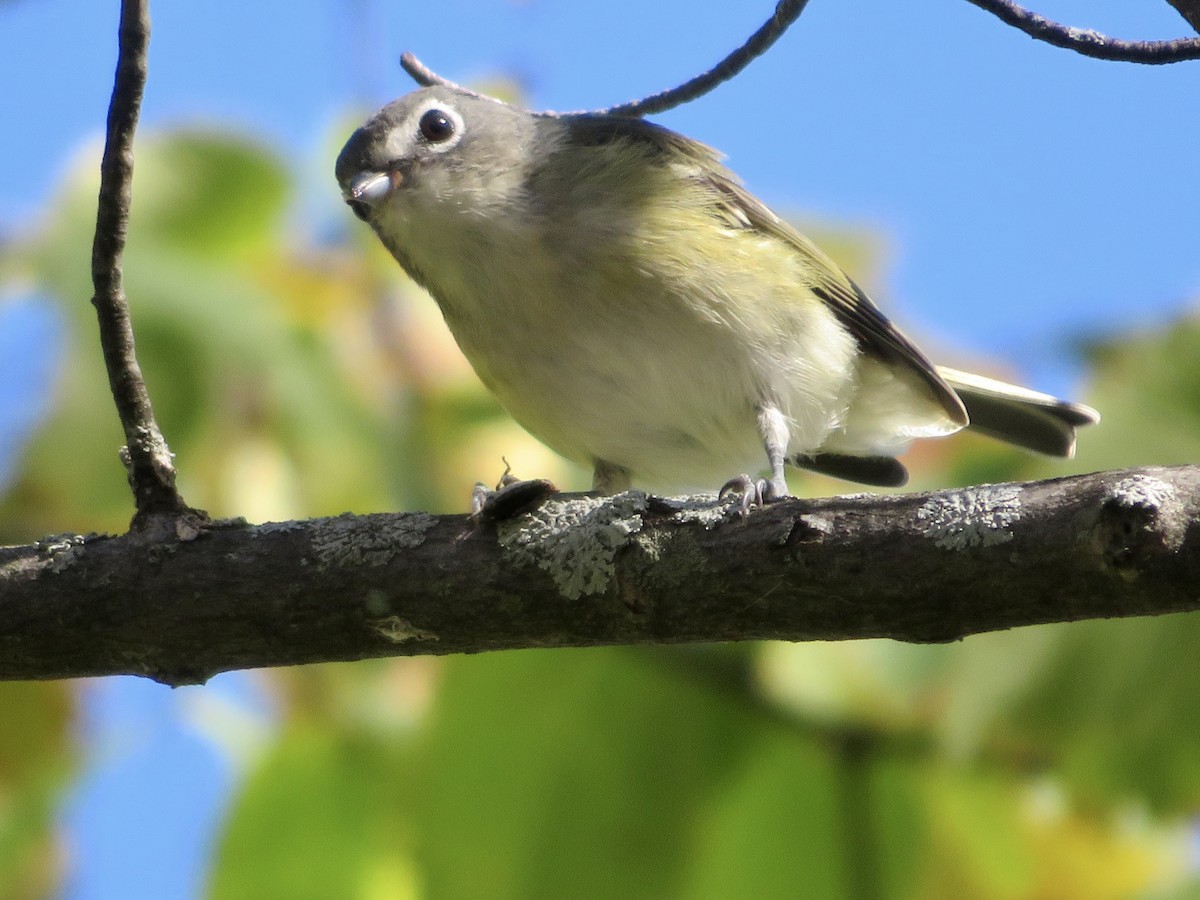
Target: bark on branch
(584,571)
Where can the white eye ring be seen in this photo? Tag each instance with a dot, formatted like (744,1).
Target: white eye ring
(426,131)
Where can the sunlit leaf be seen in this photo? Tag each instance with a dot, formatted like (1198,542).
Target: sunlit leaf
(776,829)
(585,774)
(218,196)
(980,848)
(1147,387)
(323,816)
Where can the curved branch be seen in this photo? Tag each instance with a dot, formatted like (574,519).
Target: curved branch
(786,12)
(585,571)
(146,455)
(426,77)
(1090,43)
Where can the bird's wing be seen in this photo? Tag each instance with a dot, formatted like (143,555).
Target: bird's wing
(873,330)
(741,209)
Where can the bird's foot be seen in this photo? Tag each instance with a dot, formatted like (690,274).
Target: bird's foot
(751,492)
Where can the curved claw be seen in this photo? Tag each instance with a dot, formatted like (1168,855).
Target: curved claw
(750,492)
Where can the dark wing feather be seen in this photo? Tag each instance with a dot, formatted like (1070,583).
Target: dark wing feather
(873,330)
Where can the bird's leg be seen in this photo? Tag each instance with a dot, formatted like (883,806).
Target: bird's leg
(609,478)
(773,428)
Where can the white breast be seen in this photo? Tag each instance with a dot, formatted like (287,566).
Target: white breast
(646,365)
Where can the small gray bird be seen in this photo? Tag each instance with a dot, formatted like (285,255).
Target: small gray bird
(636,309)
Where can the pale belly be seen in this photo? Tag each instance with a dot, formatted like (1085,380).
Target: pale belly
(645,364)
(654,385)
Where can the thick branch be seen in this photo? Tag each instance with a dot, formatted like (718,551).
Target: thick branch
(587,571)
(151,472)
(1093,43)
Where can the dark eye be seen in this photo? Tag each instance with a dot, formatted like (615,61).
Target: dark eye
(436,126)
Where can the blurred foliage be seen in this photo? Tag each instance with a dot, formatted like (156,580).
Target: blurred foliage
(297,376)
(35,764)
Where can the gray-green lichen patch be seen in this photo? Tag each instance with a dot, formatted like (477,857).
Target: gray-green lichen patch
(400,631)
(1155,497)
(975,517)
(348,540)
(575,540)
(707,510)
(1143,491)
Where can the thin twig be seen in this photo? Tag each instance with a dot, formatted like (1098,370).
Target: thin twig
(146,456)
(1090,43)
(786,12)
(425,76)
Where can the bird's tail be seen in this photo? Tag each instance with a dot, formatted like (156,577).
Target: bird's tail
(1018,415)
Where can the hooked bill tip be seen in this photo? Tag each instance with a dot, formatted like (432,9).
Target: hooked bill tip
(368,187)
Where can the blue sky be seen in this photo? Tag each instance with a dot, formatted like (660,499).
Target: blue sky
(1024,194)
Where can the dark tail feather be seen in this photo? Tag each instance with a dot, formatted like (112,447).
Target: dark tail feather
(880,471)
(1020,416)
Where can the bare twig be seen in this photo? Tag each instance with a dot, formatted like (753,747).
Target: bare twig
(1091,43)
(628,569)
(786,12)
(146,456)
(426,77)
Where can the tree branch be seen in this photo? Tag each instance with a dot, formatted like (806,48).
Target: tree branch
(1189,9)
(585,571)
(147,457)
(1092,43)
(786,12)
(1085,41)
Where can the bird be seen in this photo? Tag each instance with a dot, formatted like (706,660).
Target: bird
(637,309)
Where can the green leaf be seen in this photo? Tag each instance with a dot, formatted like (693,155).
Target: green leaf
(774,828)
(1147,388)
(977,835)
(219,196)
(323,816)
(591,774)
(1118,711)
(35,763)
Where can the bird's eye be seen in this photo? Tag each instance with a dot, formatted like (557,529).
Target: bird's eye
(436,126)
